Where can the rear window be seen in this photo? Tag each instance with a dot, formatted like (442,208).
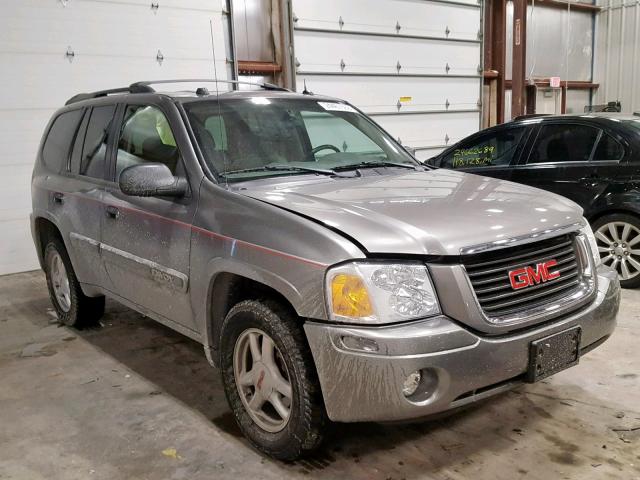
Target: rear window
(55,151)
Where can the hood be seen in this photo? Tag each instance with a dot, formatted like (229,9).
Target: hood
(435,212)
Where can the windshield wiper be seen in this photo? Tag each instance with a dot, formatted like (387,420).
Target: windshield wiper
(376,164)
(284,168)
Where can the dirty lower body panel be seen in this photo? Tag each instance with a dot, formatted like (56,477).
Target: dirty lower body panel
(363,370)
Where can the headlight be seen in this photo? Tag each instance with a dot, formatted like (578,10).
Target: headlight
(593,244)
(378,293)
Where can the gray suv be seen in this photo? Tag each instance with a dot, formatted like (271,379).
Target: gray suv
(326,272)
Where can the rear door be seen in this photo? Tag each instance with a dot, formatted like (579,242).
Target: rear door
(489,153)
(559,161)
(83,191)
(146,241)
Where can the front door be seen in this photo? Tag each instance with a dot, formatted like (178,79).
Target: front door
(146,240)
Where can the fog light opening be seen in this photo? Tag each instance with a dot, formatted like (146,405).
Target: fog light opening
(411,384)
(421,386)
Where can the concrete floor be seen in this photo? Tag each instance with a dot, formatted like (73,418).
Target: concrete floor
(135,400)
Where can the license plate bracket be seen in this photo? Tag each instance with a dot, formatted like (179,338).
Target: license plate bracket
(552,354)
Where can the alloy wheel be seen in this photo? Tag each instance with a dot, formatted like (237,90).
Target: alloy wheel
(619,248)
(262,380)
(60,282)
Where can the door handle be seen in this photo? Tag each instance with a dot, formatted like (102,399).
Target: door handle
(112,212)
(58,198)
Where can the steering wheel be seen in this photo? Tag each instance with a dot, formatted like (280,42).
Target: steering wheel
(326,146)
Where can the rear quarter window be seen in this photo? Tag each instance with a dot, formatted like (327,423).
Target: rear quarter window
(55,151)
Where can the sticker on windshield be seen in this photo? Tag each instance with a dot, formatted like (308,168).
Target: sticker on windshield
(337,107)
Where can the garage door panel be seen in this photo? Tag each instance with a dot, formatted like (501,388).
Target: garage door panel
(384,94)
(385,16)
(430,130)
(17,252)
(322,52)
(14,196)
(114,43)
(20,134)
(423,154)
(130,32)
(89,73)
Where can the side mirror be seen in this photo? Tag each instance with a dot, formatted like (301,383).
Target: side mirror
(150,180)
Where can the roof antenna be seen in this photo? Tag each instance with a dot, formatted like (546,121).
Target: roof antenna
(305,91)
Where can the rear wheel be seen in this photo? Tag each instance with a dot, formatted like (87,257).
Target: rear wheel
(618,237)
(73,307)
(270,380)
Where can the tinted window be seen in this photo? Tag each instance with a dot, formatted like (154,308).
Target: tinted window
(608,149)
(146,137)
(564,143)
(55,151)
(76,152)
(494,149)
(94,151)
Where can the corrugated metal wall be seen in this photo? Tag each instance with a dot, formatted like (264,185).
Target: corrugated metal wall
(559,44)
(617,53)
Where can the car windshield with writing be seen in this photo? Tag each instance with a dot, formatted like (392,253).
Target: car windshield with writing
(256,137)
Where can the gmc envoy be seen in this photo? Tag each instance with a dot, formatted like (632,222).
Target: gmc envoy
(327,273)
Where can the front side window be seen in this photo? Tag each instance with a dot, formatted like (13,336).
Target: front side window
(491,150)
(55,151)
(94,150)
(559,143)
(245,138)
(146,137)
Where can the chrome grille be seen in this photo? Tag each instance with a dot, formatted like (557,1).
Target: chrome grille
(489,275)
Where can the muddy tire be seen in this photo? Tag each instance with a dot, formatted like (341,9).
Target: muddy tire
(73,307)
(270,380)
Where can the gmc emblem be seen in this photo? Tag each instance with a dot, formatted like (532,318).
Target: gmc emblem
(527,276)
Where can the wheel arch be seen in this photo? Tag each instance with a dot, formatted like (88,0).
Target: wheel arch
(45,228)
(228,287)
(614,211)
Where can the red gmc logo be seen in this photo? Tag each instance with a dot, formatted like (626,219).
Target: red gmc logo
(527,276)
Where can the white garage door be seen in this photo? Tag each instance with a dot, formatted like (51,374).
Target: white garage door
(52,49)
(413,65)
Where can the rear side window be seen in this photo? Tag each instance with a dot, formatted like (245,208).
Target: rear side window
(94,150)
(493,149)
(560,143)
(55,151)
(608,149)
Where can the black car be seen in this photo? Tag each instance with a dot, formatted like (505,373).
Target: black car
(592,159)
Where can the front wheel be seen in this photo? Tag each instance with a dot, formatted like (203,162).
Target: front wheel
(270,380)
(618,237)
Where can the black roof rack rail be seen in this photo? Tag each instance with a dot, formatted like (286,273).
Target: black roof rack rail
(265,86)
(100,93)
(145,87)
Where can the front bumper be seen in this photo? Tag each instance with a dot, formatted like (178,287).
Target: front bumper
(360,386)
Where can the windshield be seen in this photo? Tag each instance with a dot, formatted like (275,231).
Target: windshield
(256,137)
